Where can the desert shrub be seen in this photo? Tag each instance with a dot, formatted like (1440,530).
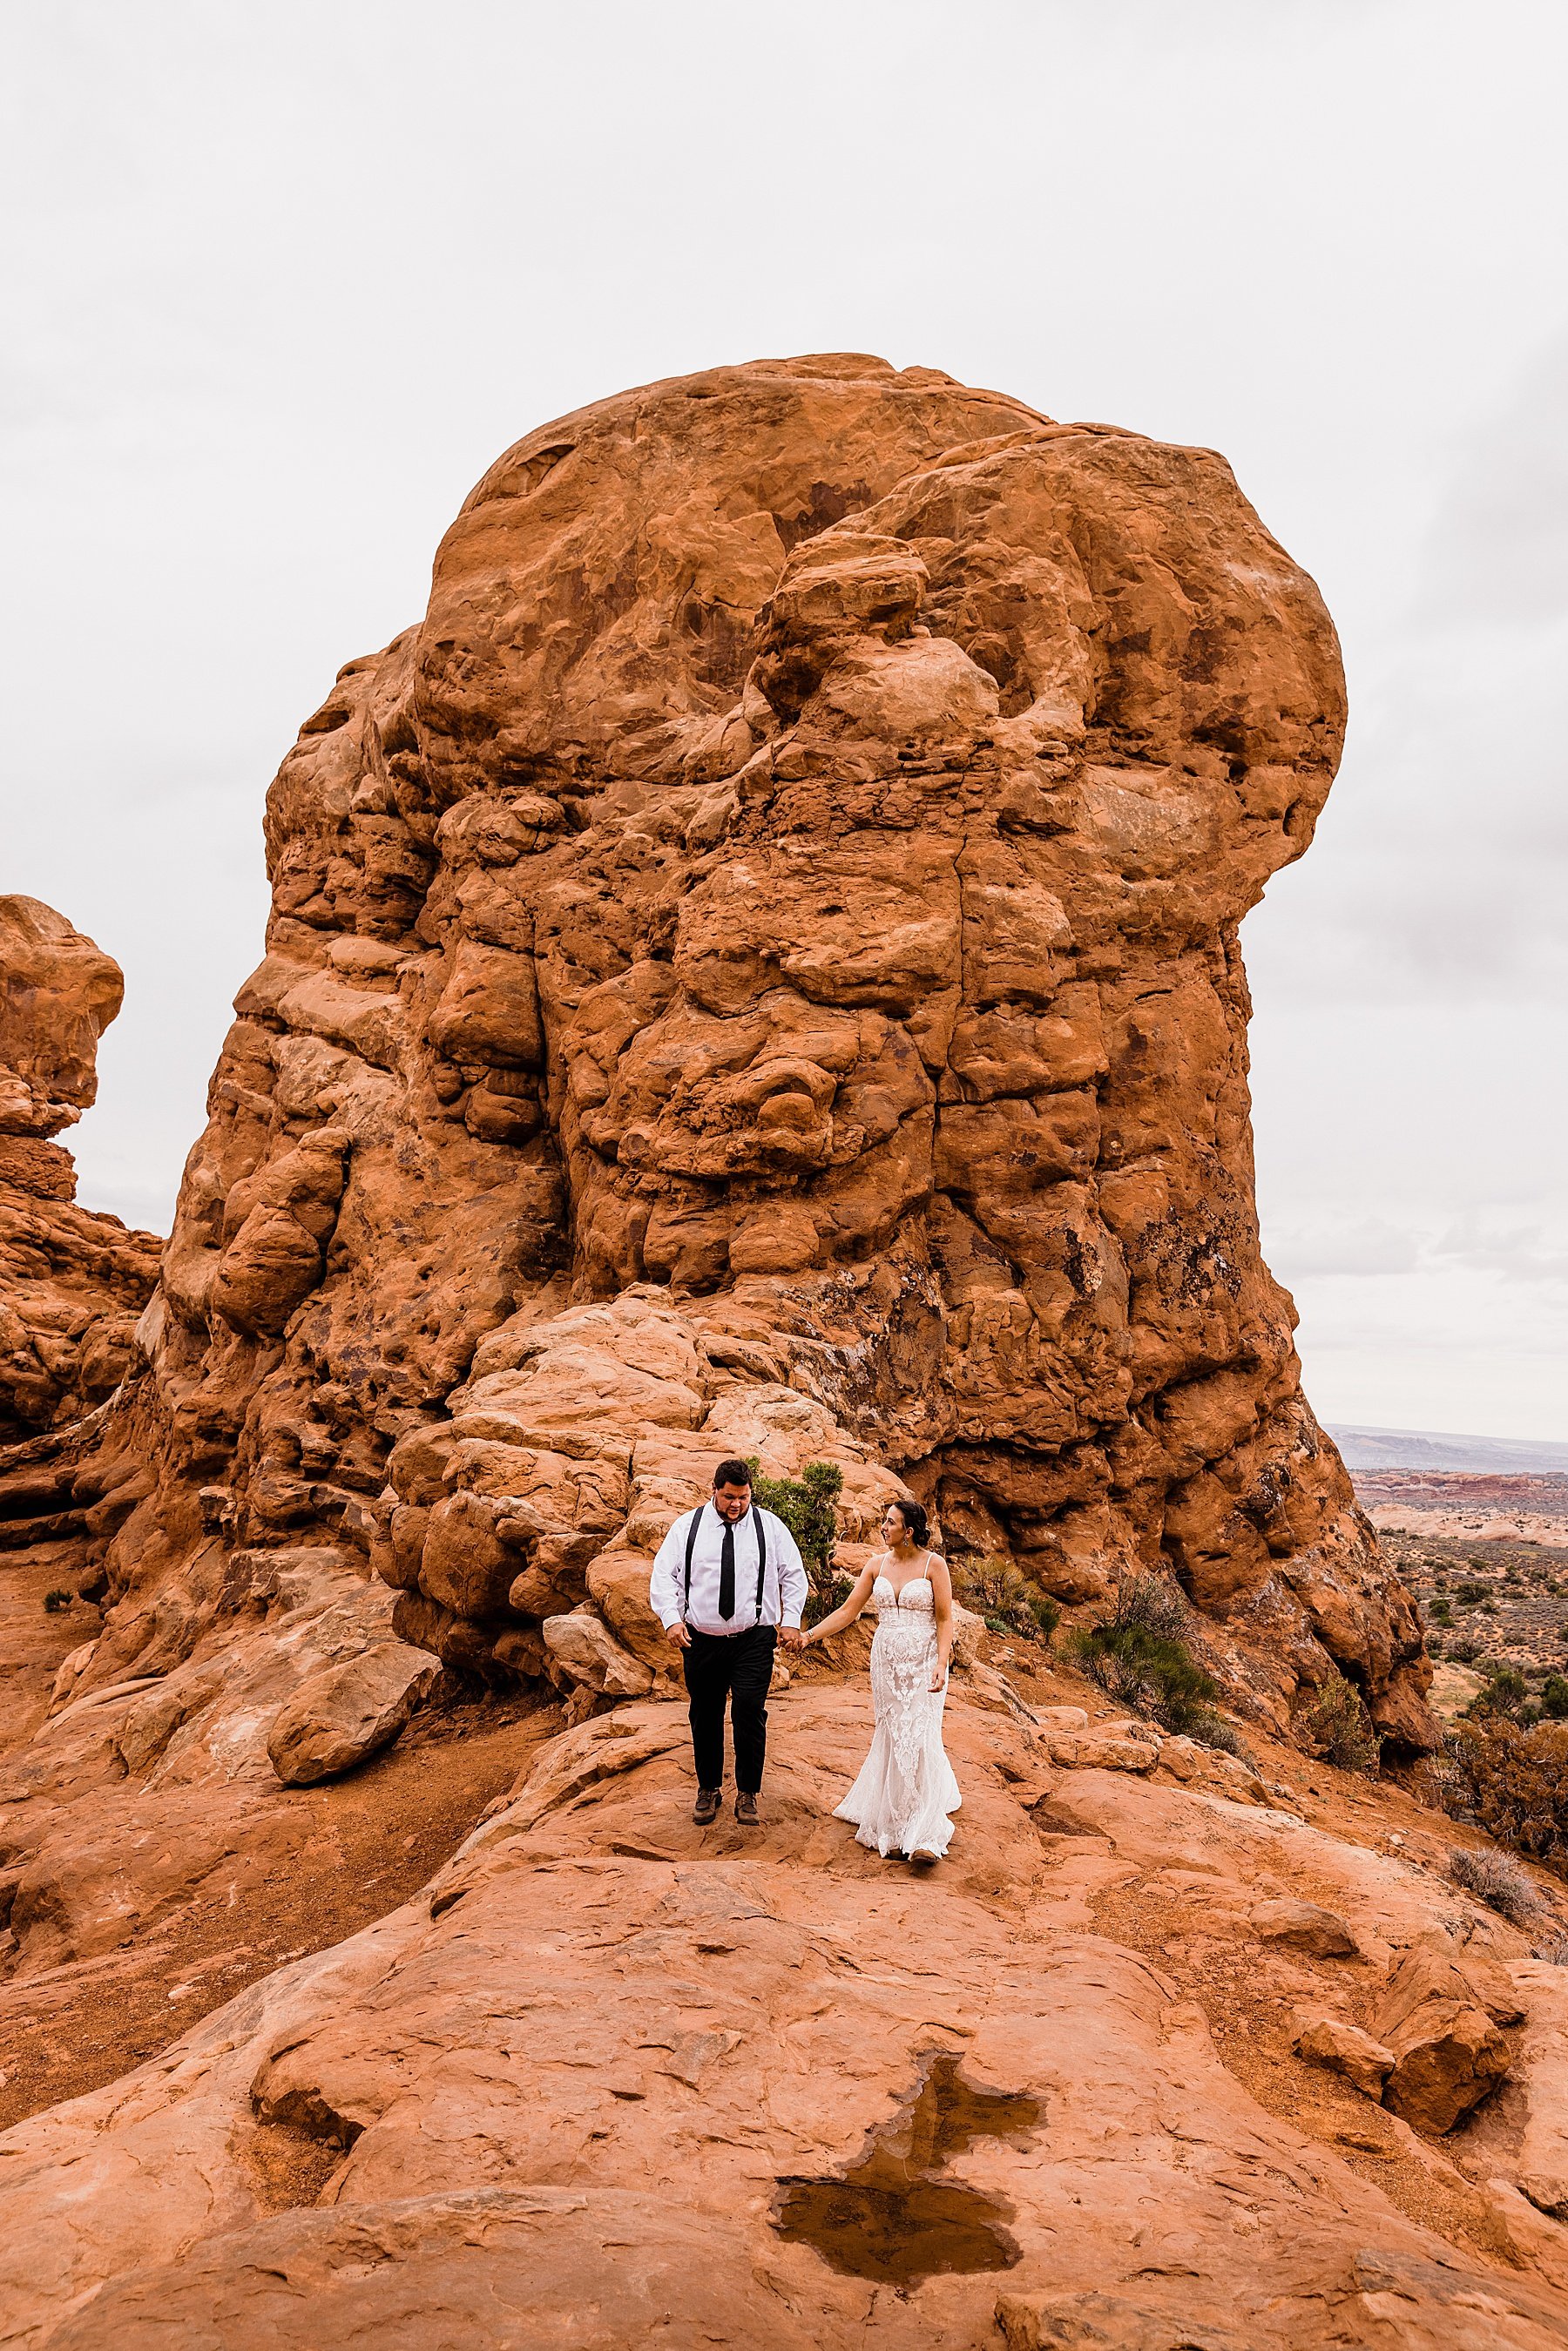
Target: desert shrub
(1141,1655)
(57,1600)
(1506,1692)
(1470,1595)
(1440,1612)
(1554,1697)
(1338,1728)
(1495,1879)
(1009,1600)
(1464,1653)
(825,1595)
(806,1505)
(1046,1612)
(1513,1780)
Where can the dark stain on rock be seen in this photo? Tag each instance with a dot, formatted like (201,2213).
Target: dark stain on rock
(892,2216)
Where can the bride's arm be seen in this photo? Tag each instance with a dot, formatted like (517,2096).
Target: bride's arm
(851,1608)
(941,1602)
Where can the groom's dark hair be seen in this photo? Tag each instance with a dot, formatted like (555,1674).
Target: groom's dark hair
(731,1473)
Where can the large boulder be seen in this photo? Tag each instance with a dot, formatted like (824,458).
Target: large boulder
(348,1712)
(618,1585)
(584,1651)
(756,968)
(1448,2052)
(1345,2049)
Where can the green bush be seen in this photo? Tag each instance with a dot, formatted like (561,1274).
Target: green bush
(1141,1655)
(55,1601)
(824,1598)
(1554,1697)
(1506,1692)
(1046,1613)
(1440,1612)
(1470,1593)
(1464,1653)
(806,1505)
(1340,1729)
(1009,1600)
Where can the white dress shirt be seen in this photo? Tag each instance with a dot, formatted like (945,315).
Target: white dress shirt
(784,1588)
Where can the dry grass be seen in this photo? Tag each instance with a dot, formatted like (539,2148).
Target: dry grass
(1495,1879)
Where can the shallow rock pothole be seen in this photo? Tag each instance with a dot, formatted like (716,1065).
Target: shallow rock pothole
(891,2217)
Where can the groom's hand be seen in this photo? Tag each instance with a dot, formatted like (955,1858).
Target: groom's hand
(678,1635)
(792,1636)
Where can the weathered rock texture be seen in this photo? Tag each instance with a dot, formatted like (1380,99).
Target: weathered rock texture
(564,2095)
(756,968)
(72,1283)
(348,1712)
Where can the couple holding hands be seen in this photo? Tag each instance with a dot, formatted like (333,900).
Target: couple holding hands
(728,1584)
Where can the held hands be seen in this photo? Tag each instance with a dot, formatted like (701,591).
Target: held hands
(792,1636)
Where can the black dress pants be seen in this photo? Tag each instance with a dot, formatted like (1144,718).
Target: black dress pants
(737,1667)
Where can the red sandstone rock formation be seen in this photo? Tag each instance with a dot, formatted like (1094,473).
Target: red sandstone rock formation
(757,971)
(758,966)
(71,1284)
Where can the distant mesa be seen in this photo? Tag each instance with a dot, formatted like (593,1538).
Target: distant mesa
(1425,1448)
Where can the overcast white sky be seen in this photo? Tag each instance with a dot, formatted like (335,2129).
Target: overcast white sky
(279,281)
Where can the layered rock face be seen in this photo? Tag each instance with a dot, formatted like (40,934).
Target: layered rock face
(72,1283)
(756,969)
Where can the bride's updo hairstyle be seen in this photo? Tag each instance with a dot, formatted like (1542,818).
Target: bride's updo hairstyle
(916,1521)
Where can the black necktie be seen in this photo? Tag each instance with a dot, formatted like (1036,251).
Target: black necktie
(727,1574)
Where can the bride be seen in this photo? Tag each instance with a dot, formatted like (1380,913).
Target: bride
(906,1789)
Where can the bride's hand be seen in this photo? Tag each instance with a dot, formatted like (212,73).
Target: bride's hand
(938,1680)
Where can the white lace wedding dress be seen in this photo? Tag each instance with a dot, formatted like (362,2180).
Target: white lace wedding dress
(906,1789)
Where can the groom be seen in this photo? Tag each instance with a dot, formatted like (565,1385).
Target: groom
(727,1577)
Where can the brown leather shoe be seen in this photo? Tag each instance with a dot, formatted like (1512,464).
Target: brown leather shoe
(705,1808)
(746,1810)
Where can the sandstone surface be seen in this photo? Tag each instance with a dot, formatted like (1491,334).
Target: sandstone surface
(756,968)
(612,2079)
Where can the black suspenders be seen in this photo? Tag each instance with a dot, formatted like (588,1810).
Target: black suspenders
(691,1546)
(761,1557)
